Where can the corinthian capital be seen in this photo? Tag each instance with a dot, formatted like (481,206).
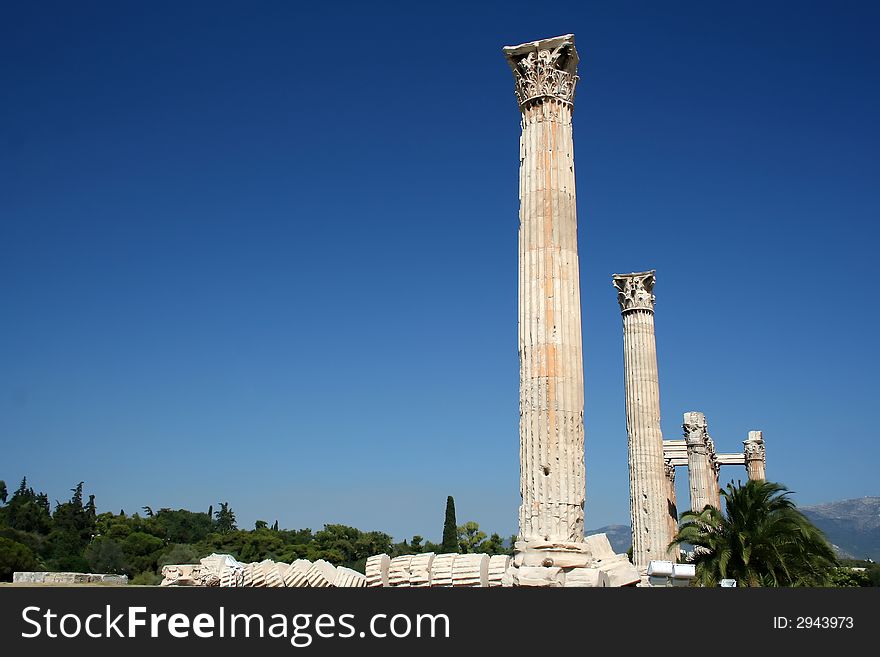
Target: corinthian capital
(753,448)
(545,68)
(696,431)
(635,291)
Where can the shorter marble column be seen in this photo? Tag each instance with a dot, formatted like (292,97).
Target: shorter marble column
(701,478)
(755,455)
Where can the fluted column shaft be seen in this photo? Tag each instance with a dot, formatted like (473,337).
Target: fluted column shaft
(700,475)
(551,360)
(649,491)
(552,472)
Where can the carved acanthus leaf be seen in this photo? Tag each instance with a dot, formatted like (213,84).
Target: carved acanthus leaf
(546,68)
(635,291)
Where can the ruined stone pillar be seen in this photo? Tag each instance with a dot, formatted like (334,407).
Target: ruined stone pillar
(701,478)
(550,352)
(715,471)
(671,507)
(755,455)
(648,488)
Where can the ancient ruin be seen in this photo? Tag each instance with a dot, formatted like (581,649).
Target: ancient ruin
(552,473)
(755,455)
(551,549)
(648,479)
(697,452)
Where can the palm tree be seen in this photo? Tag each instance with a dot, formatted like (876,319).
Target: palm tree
(760,540)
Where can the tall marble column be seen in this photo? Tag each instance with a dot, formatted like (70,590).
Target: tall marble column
(701,478)
(648,488)
(755,455)
(552,473)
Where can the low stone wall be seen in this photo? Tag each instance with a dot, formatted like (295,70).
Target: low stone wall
(67,578)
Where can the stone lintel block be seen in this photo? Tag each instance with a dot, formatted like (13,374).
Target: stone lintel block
(620,573)
(538,576)
(599,546)
(549,554)
(41,577)
(585,577)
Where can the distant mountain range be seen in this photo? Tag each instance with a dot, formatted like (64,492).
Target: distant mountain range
(852,527)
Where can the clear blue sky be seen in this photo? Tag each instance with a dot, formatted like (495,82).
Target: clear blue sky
(265,253)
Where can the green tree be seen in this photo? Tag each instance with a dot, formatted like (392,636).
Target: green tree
(847,577)
(494,545)
(450,529)
(224,519)
(180,526)
(28,511)
(260,524)
(104,555)
(142,551)
(15,556)
(760,540)
(470,537)
(178,553)
(3,492)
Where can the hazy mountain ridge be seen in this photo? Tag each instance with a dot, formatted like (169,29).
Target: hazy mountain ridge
(852,526)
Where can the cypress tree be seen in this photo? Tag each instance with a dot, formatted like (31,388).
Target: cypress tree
(450,528)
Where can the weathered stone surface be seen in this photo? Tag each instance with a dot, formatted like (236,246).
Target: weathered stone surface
(649,510)
(538,576)
(550,350)
(498,565)
(599,546)
(546,553)
(322,574)
(348,578)
(260,571)
(212,568)
(619,571)
(585,577)
(41,577)
(181,575)
(271,577)
(471,570)
(700,451)
(755,455)
(377,570)
(441,569)
(399,571)
(420,570)
(247,577)
(295,574)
